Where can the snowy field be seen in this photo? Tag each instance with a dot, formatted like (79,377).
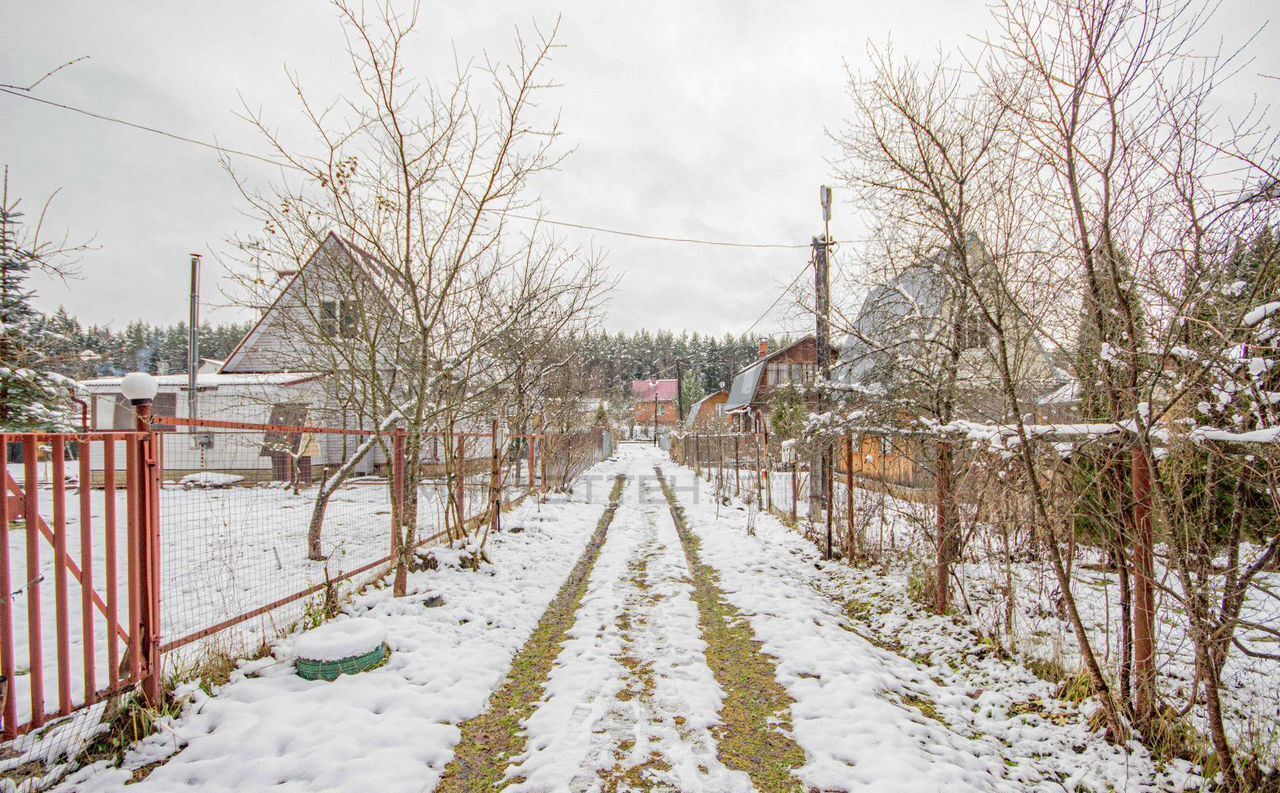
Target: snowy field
(388,730)
(224,552)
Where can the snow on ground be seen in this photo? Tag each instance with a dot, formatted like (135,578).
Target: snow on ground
(870,718)
(631,699)
(210,479)
(1251,686)
(897,531)
(224,552)
(393,728)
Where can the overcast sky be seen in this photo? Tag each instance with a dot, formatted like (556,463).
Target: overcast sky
(702,120)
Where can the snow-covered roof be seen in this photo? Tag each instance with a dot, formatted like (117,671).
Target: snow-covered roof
(667,389)
(743,388)
(917,293)
(379,277)
(897,315)
(212,379)
(1066,394)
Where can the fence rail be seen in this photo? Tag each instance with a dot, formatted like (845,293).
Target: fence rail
(115,569)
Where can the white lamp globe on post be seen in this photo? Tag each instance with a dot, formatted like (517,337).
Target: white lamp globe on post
(140,389)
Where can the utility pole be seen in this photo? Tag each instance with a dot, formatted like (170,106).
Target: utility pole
(193,338)
(679,393)
(820,475)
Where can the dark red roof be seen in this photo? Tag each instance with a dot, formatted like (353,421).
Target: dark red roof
(640,389)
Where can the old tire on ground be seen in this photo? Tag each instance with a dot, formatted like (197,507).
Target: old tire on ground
(344,647)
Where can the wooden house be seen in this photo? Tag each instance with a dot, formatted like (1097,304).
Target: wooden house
(708,413)
(754,385)
(278,374)
(904,330)
(656,397)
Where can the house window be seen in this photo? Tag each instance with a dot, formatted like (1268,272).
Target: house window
(791,373)
(973,332)
(123,417)
(338,318)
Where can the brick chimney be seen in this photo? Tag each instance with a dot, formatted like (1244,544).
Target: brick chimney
(764,347)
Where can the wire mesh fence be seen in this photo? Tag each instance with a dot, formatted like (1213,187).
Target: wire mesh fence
(779,475)
(244,527)
(208,539)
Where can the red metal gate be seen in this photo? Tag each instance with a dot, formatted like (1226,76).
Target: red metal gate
(116,627)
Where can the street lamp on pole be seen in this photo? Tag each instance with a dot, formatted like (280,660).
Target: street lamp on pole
(654,385)
(140,389)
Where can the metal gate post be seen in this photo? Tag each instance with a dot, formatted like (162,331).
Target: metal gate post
(495,482)
(768,470)
(460,481)
(147,623)
(542,446)
(8,694)
(851,550)
(35,625)
(795,486)
(530,441)
(737,476)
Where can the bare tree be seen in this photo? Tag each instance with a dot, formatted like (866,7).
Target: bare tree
(423,276)
(1072,177)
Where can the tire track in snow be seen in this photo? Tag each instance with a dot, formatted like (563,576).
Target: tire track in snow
(632,700)
(670,691)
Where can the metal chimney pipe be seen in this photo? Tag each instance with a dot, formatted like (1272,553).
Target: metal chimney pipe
(193,340)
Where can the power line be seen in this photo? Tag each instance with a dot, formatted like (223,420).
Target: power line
(279,164)
(153,130)
(778,299)
(658,237)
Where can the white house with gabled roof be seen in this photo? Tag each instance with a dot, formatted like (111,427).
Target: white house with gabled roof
(270,377)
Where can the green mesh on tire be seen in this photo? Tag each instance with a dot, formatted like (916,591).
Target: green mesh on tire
(329,670)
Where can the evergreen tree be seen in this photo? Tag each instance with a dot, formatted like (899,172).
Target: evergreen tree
(788,413)
(31,397)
